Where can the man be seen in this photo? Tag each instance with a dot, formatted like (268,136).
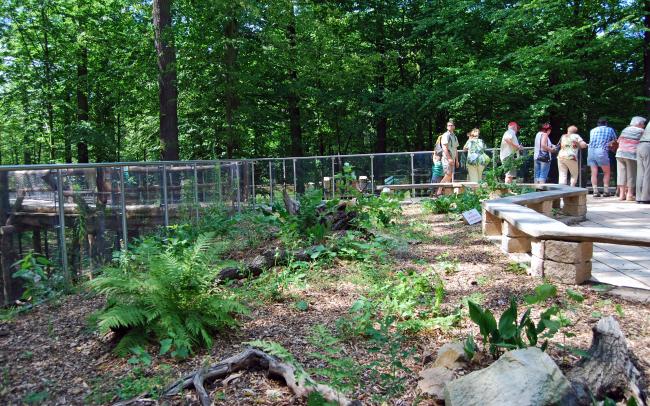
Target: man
(643,168)
(600,139)
(449,144)
(510,148)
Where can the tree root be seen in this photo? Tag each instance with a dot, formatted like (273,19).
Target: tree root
(250,359)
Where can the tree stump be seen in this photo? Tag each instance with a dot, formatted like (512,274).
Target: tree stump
(609,370)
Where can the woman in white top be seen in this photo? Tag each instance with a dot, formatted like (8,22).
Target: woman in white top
(543,150)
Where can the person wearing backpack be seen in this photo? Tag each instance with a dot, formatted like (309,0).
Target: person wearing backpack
(449,146)
(476,156)
(510,149)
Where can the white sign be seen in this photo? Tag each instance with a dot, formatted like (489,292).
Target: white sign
(472,216)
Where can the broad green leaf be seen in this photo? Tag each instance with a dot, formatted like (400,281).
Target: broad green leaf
(508,322)
(575,295)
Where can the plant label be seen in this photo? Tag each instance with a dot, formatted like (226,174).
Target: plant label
(472,216)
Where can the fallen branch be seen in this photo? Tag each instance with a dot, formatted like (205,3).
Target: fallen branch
(250,359)
(609,370)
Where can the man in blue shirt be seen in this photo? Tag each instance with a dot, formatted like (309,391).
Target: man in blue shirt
(600,139)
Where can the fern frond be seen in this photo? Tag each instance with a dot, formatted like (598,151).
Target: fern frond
(134,338)
(121,316)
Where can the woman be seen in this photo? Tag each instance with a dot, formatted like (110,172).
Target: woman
(626,158)
(567,159)
(476,157)
(543,150)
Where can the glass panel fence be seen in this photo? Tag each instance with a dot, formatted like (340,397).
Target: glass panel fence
(77,215)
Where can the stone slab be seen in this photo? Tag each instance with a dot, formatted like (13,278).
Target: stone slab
(574,209)
(515,244)
(562,251)
(568,274)
(491,228)
(544,208)
(579,200)
(512,231)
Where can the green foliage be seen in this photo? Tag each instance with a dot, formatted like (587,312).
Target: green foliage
(166,295)
(456,203)
(510,333)
(516,268)
(34,398)
(142,379)
(39,279)
(342,373)
(237,104)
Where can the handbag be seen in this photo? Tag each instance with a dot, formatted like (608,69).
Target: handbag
(613,146)
(544,156)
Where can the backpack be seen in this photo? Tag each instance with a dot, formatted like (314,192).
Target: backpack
(437,149)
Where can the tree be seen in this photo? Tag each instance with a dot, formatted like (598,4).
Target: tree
(168,92)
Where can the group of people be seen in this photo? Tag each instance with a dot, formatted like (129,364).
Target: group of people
(632,149)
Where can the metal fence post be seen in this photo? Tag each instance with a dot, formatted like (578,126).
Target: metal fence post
(164,187)
(271,182)
(253,181)
(238,187)
(196,191)
(62,246)
(579,168)
(295,181)
(333,182)
(125,235)
(412,177)
(372,174)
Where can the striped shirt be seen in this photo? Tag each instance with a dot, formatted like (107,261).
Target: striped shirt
(601,136)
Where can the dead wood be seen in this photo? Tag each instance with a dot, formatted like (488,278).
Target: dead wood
(250,359)
(610,369)
(260,263)
(292,206)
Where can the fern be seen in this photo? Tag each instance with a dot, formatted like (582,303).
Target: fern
(166,293)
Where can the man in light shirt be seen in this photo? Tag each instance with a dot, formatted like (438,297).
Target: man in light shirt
(510,148)
(449,143)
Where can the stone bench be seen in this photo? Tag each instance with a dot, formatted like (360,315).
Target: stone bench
(559,252)
(447,187)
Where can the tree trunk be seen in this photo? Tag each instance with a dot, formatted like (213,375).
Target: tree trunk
(381,122)
(293,97)
(167,91)
(82,106)
(67,122)
(47,65)
(231,96)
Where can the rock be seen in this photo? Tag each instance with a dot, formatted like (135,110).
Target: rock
(449,354)
(521,377)
(434,380)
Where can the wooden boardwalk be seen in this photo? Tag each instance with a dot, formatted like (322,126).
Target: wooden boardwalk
(620,265)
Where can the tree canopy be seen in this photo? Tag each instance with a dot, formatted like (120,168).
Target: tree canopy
(80,79)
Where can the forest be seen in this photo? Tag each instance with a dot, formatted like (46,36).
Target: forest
(122,80)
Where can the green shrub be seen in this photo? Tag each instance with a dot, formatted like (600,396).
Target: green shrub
(165,295)
(457,203)
(40,282)
(512,334)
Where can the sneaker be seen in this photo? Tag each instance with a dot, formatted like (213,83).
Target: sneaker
(596,194)
(607,194)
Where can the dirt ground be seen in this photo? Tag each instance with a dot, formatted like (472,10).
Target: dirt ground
(50,356)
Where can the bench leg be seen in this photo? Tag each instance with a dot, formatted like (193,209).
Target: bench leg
(491,224)
(561,261)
